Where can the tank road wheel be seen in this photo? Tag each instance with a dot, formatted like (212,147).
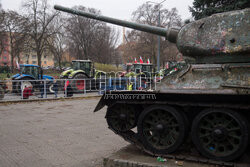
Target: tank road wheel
(161,129)
(80,85)
(121,117)
(220,134)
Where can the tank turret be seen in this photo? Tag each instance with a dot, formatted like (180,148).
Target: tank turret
(220,38)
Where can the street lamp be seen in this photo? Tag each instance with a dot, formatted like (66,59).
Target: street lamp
(159,38)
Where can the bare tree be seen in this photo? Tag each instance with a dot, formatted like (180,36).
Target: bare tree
(81,32)
(145,44)
(16,33)
(57,44)
(2,31)
(90,39)
(104,45)
(40,17)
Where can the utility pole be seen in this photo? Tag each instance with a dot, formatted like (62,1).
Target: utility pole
(159,37)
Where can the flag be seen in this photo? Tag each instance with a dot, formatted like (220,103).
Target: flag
(167,65)
(141,61)
(17,65)
(148,62)
(136,61)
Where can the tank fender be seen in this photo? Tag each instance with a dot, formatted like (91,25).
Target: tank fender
(100,104)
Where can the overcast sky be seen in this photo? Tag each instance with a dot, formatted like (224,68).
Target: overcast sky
(121,9)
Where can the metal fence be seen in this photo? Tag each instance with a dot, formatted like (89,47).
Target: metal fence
(61,88)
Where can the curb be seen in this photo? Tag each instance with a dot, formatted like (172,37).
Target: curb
(47,100)
(107,162)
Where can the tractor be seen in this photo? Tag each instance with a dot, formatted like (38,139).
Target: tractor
(144,73)
(83,69)
(29,76)
(136,69)
(129,66)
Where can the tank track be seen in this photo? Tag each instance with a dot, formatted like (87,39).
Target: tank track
(183,154)
(191,156)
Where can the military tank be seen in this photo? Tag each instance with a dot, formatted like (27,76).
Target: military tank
(206,101)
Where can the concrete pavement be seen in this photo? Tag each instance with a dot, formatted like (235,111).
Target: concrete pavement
(58,133)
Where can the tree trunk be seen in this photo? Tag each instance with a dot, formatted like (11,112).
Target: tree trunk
(12,63)
(39,56)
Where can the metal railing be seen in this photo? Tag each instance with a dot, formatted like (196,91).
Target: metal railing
(61,88)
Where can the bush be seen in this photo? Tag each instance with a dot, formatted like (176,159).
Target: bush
(4,69)
(107,67)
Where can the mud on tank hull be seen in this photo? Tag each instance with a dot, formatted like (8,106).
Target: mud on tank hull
(203,105)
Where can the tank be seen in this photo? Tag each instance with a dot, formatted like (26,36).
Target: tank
(205,105)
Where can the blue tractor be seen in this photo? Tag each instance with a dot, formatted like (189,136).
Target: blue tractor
(29,76)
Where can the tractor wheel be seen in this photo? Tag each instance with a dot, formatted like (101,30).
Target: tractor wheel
(25,83)
(80,85)
(1,93)
(51,88)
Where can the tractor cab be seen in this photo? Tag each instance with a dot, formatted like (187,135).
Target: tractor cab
(84,65)
(129,67)
(30,70)
(29,74)
(147,69)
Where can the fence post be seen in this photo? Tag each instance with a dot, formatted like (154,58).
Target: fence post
(65,87)
(21,89)
(135,83)
(156,81)
(100,88)
(86,85)
(140,82)
(44,88)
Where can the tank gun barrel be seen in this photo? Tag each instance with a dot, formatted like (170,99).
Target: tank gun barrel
(220,38)
(170,34)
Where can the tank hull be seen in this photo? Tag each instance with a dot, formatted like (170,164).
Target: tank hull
(207,103)
(195,92)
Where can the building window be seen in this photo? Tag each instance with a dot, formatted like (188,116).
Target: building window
(33,56)
(33,62)
(45,62)
(45,57)
(5,52)
(5,58)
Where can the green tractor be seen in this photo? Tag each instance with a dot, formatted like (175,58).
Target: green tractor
(142,69)
(83,69)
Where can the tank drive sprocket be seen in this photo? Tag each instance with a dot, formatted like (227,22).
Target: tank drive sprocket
(220,134)
(122,117)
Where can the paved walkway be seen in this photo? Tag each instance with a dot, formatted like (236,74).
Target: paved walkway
(61,133)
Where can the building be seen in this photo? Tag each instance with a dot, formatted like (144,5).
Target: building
(5,59)
(26,57)
(30,57)
(66,57)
